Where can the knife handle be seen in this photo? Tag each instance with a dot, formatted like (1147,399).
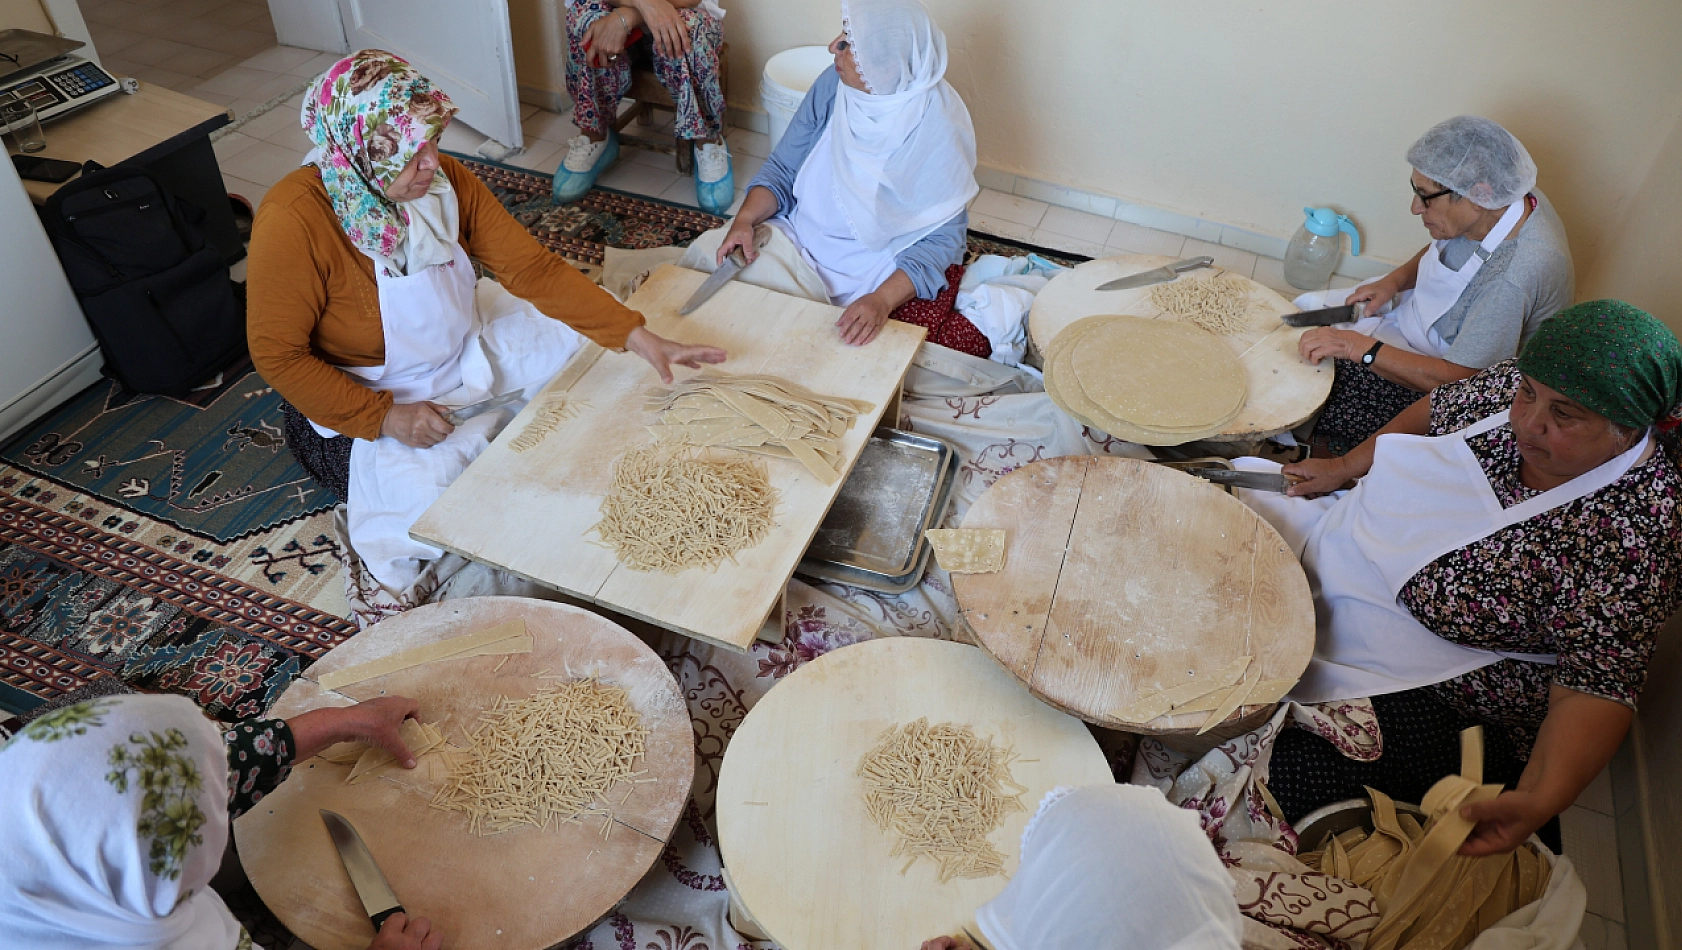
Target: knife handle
(379,918)
(737,256)
(1191,263)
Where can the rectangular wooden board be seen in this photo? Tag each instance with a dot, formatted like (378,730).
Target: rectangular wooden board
(532,512)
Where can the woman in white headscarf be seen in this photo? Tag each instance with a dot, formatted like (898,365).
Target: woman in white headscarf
(117,814)
(872,178)
(1110,866)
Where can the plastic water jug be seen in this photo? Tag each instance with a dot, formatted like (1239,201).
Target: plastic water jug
(1314,250)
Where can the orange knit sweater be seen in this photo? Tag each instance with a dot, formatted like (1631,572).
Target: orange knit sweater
(313,304)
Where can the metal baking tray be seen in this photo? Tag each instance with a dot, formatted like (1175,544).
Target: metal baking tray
(873,534)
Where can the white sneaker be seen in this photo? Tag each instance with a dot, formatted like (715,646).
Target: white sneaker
(712,162)
(583,153)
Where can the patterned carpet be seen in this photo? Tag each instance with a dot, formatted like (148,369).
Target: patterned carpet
(175,545)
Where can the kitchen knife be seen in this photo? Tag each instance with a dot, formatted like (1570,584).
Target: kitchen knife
(456,417)
(375,893)
(1323,318)
(1160,275)
(727,271)
(1260,481)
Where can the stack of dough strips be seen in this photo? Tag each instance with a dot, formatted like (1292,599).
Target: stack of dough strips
(1430,897)
(554,410)
(761,414)
(1219,304)
(672,509)
(551,757)
(941,791)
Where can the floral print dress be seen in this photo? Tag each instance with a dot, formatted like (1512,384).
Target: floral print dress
(1592,581)
(260,754)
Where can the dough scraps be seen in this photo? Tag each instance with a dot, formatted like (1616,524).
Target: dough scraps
(968,550)
(940,791)
(1218,304)
(671,509)
(504,638)
(1157,703)
(553,756)
(761,414)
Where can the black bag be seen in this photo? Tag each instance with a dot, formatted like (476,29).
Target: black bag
(158,297)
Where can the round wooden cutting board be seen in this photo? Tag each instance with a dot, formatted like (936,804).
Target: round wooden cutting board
(1123,577)
(520,890)
(805,858)
(1284,388)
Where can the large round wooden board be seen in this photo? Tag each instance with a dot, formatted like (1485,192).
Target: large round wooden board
(1124,577)
(519,890)
(1285,389)
(805,858)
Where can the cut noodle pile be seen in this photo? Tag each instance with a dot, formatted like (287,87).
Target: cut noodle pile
(1219,304)
(552,756)
(673,509)
(941,791)
(554,410)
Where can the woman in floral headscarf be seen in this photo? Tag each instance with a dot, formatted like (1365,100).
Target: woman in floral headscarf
(365,314)
(1507,559)
(117,813)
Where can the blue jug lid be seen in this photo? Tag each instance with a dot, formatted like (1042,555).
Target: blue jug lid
(1321,221)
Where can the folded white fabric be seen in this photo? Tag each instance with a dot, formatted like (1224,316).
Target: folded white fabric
(996,294)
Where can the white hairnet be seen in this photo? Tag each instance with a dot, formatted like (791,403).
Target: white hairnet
(1114,866)
(1477,158)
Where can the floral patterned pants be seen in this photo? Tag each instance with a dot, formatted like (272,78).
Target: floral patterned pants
(691,80)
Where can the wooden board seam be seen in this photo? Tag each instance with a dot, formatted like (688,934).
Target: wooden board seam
(1085,470)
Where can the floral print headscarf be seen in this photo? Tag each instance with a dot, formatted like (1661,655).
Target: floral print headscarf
(368,115)
(117,816)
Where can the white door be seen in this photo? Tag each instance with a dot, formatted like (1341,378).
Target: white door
(462,45)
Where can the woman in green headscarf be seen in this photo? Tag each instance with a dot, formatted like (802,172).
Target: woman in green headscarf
(1506,557)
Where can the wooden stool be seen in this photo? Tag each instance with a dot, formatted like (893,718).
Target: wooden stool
(648,94)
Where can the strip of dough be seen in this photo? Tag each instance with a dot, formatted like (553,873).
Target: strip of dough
(453,648)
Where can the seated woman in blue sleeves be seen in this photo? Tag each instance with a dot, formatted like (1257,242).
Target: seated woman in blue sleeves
(871,180)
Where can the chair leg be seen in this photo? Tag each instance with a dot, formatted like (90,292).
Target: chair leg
(685,155)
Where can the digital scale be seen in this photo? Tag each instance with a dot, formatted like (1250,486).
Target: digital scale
(43,71)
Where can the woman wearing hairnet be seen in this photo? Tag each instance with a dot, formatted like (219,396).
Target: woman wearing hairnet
(1496,267)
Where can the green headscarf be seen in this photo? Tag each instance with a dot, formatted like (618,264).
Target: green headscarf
(1612,358)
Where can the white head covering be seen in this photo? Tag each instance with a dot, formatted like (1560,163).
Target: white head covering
(117,814)
(904,152)
(1114,866)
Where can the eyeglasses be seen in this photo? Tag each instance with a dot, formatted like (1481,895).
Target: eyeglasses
(1426,199)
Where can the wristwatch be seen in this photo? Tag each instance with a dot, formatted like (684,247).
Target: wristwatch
(1372,354)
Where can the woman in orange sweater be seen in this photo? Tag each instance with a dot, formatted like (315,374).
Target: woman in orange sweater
(366,316)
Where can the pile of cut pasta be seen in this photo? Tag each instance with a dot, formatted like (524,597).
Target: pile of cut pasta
(672,509)
(1429,896)
(761,414)
(551,757)
(555,409)
(1218,304)
(940,791)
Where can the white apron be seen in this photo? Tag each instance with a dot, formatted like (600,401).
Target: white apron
(1411,325)
(452,340)
(818,227)
(1424,497)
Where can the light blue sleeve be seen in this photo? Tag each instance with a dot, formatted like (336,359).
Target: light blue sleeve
(926,261)
(778,172)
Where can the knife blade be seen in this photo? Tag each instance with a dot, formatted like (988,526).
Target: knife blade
(727,271)
(371,887)
(1160,275)
(1347,313)
(1259,481)
(456,417)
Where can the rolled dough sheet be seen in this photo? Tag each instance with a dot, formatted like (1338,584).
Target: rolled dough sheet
(968,550)
(1159,373)
(473,644)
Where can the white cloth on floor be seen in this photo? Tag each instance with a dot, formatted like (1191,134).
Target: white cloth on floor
(107,843)
(996,295)
(1114,866)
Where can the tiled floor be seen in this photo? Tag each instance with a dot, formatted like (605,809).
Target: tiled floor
(177,43)
(1590,830)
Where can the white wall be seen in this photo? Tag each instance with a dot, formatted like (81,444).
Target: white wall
(310,24)
(1243,111)
(45,356)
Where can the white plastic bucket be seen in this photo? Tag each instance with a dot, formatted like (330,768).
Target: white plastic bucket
(787,77)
